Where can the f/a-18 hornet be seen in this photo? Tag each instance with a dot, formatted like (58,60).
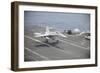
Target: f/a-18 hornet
(49,35)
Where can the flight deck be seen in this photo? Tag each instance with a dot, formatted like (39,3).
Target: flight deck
(68,48)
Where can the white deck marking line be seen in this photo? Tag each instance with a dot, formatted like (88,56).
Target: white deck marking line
(72,40)
(32,56)
(74,44)
(46,58)
(68,52)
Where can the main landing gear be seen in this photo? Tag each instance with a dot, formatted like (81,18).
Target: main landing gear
(52,41)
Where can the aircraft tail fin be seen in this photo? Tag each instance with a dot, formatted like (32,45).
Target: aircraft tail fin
(47,30)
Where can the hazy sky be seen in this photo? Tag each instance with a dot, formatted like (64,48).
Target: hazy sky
(58,20)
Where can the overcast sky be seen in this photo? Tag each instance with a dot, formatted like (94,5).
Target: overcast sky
(58,20)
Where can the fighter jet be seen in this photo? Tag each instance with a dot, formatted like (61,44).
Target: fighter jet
(49,35)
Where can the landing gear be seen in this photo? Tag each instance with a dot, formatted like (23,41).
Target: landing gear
(52,41)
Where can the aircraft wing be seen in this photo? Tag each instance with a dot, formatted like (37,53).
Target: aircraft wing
(62,35)
(39,35)
(80,34)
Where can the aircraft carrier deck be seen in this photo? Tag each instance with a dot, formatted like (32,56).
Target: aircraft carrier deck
(71,47)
